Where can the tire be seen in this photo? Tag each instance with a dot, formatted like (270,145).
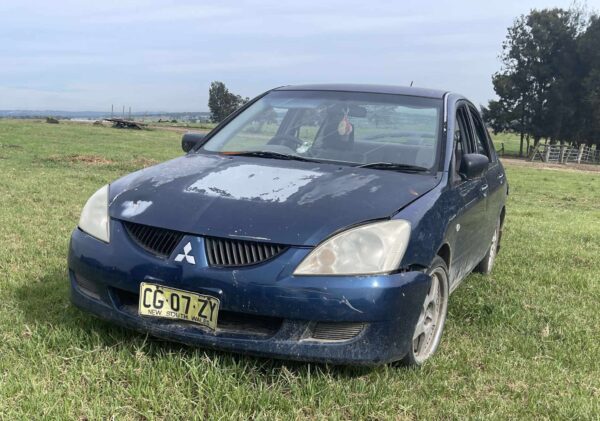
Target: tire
(487,264)
(427,332)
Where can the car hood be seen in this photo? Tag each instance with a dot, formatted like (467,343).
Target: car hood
(278,201)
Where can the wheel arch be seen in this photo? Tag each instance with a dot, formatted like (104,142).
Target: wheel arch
(502,216)
(445,253)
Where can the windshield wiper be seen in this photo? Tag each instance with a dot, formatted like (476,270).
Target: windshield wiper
(273,155)
(392,166)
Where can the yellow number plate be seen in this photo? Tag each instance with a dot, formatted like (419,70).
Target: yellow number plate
(170,303)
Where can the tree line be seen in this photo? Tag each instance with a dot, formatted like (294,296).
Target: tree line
(549,83)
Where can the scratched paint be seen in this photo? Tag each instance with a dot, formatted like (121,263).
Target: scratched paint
(345,301)
(131,208)
(166,173)
(254,182)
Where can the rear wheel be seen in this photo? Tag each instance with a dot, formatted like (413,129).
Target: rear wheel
(428,330)
(487,264)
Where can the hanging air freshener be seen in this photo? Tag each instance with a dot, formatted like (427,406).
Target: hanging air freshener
(345,127)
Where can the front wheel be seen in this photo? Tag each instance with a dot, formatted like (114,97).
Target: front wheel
(428,330)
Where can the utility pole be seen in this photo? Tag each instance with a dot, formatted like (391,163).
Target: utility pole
(130,113)
(123,112)
(112,109)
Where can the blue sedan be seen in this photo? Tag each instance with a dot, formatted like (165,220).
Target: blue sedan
(321,223)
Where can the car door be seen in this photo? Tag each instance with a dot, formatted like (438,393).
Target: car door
(494,176)
(471,196)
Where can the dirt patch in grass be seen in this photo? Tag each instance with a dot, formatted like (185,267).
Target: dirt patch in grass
(99,161)
(144,162)
(10,146)
(84,159)
(590,168)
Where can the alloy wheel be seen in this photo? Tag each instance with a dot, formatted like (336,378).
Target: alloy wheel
(493,250)
(431,320)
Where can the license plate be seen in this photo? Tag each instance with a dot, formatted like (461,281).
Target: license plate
(171,303)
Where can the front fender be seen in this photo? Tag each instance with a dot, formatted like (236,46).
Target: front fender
(430,217)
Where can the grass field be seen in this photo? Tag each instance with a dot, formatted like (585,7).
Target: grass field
(523,343)
(510,142)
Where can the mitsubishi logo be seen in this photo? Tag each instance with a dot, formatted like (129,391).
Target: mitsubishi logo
(186,255)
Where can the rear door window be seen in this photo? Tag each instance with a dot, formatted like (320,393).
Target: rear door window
(480,137)
(462,139)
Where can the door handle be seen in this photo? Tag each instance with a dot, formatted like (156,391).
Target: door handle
(500,176)
(484,188)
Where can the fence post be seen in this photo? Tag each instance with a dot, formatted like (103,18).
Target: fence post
(561,154)
(534,152)
(580,153)
(546,157)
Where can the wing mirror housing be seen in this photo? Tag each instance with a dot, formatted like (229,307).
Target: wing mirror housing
(473,165)
(190,140)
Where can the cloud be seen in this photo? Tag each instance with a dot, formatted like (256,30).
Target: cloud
(159,55)
(164,13)
(237,62)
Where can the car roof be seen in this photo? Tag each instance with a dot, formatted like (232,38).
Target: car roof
(378,89)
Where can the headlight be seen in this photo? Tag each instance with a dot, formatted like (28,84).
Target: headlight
(94,216)
(365,250)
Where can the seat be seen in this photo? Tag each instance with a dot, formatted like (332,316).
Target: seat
(332,144)
(331,138)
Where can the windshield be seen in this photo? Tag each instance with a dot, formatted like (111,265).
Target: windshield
(347,127)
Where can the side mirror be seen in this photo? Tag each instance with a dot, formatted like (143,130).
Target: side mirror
(473,165)
(190,140)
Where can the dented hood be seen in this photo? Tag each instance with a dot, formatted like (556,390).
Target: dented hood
(279,201)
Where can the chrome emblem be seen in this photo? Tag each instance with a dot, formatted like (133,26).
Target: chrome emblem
(186,255)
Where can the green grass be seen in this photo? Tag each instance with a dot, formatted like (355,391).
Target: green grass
(523,343)
(511,142)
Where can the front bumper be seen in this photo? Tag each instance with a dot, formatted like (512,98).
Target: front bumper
(265,310)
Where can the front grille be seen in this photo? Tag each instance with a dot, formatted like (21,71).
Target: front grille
(158,241)
(227,252)
(341,331)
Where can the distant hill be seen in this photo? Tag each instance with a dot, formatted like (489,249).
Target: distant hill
(96,115)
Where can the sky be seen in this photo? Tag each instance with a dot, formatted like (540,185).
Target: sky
(162,55)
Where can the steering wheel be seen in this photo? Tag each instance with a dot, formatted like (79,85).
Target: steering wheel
(290,141)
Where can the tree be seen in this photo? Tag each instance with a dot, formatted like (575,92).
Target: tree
(590,90)
(221,102)
(499,117)
(554,64)
(512,83)
(381,114)
(539,85)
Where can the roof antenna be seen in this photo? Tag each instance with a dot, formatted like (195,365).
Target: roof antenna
(411,82)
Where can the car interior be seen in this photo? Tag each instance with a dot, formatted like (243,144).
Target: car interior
(336,139)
